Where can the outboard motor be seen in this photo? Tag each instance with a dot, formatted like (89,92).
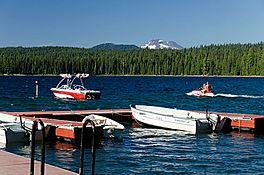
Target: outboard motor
(222,124)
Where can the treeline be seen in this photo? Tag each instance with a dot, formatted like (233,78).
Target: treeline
(229,59)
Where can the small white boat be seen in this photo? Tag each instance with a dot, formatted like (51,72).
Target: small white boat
(13,133)
(111,128)
(175,119)
(74,91)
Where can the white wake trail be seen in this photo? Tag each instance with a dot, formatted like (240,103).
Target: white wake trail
(229,95)
(237,96)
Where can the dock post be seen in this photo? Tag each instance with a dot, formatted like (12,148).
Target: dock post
(85,122)
(37,88)
(34,128)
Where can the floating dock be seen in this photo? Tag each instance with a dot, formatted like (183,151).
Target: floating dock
(67,125)
(77,115)
(246,122)
(242,122)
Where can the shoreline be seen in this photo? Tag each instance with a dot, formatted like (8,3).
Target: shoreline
(198,76)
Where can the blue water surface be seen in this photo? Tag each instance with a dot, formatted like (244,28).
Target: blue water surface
(146,150)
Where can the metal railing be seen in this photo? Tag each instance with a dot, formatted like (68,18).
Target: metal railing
(33,145)
(85,121)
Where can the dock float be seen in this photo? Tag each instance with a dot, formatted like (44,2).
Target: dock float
(246,122)
(242,122)
(74,115)
(66,126)
(12,164)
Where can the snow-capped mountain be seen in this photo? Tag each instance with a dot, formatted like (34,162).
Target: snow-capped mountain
(161,44)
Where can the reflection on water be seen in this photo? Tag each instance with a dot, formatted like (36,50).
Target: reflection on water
(63,146)
(243,134)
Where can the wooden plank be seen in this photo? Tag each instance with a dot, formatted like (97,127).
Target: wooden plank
(12,164)
(82,112)
(114,114)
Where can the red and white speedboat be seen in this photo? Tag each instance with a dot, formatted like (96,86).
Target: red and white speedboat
(198,92)
(74,91)
(205,90)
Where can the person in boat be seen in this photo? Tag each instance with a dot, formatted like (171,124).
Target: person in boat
(202,87)
(209,87)
(206,88)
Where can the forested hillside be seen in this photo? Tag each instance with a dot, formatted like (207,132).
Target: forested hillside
(229,59)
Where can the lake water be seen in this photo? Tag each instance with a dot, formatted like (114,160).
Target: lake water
(145,150)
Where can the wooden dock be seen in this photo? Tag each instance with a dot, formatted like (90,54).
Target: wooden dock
(67,125)
(246,122)
(74,115)
(243,122)
(12,164)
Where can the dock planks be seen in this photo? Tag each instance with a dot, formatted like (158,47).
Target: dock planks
(114,114)
(12,164)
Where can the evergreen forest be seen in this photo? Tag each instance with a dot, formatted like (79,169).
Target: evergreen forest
(227,60)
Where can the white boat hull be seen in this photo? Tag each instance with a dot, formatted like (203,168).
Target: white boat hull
(76,94)
(200,94)
(58,95)
(111,128)
(174,119)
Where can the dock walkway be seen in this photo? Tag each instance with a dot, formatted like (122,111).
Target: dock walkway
(12,164)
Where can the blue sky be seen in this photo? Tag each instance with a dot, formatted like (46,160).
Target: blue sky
(86,23)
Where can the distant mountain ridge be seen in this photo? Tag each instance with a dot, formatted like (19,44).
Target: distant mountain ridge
(112,46)
(152,44)
(161,44)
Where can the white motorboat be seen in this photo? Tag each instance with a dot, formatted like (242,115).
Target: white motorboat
(111,128)
(74,91)
(175,119)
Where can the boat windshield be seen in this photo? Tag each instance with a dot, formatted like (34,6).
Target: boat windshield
(65,86)
(78,87)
